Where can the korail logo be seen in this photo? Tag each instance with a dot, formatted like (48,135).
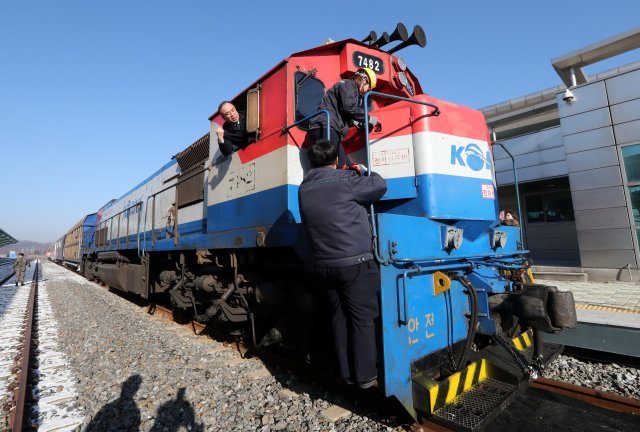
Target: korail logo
(470,156)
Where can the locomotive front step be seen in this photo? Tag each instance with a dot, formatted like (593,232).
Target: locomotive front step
(466,400)
(474,408)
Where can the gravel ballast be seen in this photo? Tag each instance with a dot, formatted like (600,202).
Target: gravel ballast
(140,372)
(608,377)
(134,371)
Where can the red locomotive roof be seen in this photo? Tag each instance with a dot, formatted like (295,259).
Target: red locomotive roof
(335,48)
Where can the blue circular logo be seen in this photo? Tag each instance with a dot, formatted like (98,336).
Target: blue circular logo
(475,160)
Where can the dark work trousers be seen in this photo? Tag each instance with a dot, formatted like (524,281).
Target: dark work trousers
(353,301)
(320,133)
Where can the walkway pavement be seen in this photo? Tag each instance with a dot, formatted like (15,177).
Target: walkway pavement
(623,295)
(614,304)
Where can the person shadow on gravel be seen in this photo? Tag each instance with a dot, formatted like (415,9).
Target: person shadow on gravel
(122,414)
(174,414)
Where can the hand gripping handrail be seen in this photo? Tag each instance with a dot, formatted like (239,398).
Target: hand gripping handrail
(435,112)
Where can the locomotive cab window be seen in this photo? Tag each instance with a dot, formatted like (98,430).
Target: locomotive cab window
(309,94)
(240,122)
(248,105)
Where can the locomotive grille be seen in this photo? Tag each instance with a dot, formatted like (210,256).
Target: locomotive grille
(194,154)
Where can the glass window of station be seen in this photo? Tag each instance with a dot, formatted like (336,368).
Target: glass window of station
(631,156)
(548,201)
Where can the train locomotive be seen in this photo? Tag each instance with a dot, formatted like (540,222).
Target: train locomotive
(220,237)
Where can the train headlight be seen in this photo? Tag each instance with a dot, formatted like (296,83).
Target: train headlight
(498,239)
(402,65)
(402,78)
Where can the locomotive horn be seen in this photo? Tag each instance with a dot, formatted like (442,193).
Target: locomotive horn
(417,38)
(382,40)
(400,33)
(370,37)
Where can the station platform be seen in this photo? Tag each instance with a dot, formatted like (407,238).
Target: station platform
(608,317)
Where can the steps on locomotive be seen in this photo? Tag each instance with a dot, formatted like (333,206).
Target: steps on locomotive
(575,274)
(469,399)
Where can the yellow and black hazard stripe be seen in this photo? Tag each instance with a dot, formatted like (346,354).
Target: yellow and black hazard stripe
(606,308)
(444,392)
(524,341)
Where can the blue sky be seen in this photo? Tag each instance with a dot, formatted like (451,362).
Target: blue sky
(95,96)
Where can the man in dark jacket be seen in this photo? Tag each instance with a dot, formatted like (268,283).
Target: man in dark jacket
(332,206)
(344,103)
(233,133)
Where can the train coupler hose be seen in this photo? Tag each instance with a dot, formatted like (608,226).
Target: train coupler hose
(530,368)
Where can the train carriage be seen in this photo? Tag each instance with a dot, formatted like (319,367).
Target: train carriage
(75,240)
(58,250)
(221,237)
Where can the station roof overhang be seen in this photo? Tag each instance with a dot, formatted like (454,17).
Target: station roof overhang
(594,53)
(6,239)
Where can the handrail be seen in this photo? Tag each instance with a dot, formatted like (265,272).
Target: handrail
(323,111)
(515,176)
(435,112)
(110,218)
(477,260)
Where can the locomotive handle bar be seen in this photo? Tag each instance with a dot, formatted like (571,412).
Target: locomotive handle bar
(497,260)
(324,111)
(515,178)
(415,270)
(146,206)
(435,112)
(103,223)
(403,308)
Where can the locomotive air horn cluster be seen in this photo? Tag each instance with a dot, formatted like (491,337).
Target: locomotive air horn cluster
(372,36)
(418,37)
(382,40)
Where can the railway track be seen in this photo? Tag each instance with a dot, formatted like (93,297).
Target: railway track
(21,344)
(40,382)
(602,399)
(6,269)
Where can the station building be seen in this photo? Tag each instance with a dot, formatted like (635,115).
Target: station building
(576,149)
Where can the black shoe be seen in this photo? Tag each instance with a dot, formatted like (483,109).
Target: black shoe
(373,382)
(16,283)
(22,284)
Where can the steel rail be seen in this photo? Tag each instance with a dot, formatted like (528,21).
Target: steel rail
(7,276)
(599,398)
(20,393)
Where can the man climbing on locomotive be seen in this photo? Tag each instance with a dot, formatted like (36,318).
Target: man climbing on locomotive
(344,103)
(232,136)
(332,206)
